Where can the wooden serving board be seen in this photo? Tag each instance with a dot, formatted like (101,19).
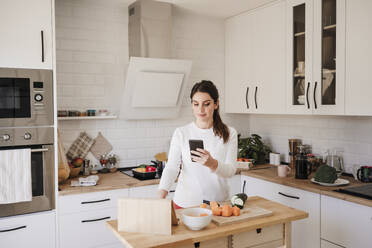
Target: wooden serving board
(247,213)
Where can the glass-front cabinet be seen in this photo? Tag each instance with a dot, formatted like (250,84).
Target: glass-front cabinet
(316,61)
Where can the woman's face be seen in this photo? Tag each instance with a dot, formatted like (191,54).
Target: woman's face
(203,106)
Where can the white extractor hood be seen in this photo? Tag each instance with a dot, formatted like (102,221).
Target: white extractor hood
(154,88)
(155,83)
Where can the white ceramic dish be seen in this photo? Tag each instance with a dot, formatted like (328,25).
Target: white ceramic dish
(192,219)
(338,182)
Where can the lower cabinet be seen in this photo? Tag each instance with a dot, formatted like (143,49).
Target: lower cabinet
(83,217)
(268,237)
(326,244)
(345,223)
(305,233)
(29,230)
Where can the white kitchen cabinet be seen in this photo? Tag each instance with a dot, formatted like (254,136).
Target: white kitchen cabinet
(26,34)
(83,217)
(326,244)
(358,98)
(305,233)
(149,191)
(255,61)
(345,223)
(234,184)
(29,230)
(316,57)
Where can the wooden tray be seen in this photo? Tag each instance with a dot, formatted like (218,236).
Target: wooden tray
(247,213)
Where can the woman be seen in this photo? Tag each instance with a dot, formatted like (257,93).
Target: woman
(206,177)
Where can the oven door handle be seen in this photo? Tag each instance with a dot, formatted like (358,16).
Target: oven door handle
(40,150)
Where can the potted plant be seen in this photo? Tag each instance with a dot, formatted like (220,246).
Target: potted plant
(253,148)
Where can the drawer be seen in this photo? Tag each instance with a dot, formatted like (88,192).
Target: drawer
(258,237)
(30,230)
(90,201)
(218,242)
(87,229)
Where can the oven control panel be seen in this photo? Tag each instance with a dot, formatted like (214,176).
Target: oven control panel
(26,136)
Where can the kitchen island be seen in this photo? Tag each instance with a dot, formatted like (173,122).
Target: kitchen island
(272,231)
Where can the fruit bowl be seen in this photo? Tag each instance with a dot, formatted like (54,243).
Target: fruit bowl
(192,219)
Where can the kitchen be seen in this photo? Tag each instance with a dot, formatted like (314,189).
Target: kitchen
(90,60)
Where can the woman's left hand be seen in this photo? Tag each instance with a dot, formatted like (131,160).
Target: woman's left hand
(205,158)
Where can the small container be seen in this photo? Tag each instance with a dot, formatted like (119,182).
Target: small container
(62,113)
(86,168)
(144,175)
(91,112)
(102,112)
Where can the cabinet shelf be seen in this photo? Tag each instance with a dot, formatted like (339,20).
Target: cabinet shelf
(70,118)
(299,34)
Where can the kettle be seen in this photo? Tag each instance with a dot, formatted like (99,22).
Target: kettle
(335,160)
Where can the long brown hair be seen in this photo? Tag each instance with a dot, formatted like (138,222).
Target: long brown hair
(219,128)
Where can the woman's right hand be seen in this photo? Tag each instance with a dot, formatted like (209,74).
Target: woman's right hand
(162,193)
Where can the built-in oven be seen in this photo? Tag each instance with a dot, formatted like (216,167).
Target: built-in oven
(40,142)
(26,97)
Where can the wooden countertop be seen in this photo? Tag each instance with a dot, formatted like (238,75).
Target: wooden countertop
(271,175)
(108,181)
(181,235)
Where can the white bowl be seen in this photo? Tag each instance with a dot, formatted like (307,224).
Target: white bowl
(192,219)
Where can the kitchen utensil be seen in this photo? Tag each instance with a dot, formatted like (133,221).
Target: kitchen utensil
(293,143)
(192,219)
(63,168)
(247,213)
(364,174)
(338,182)
(334,159)
(161,156)
(303,166)
(134,215)
(86,167)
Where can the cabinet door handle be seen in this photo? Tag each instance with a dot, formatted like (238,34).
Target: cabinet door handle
(316,83)
(255,96)
(104,218)
(246,97)
(42,46)
(172,191)
(13,229)
(89,202)
(307,95)
(290,196)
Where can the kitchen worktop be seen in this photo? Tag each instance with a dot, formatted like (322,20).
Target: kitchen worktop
(270,174)
(183,236)
(108,181)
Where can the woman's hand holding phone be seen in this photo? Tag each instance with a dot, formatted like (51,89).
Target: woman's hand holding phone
(203,157)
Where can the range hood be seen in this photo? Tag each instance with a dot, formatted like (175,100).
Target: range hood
(155,82)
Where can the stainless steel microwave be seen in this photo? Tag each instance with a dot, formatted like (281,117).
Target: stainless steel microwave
(26,97)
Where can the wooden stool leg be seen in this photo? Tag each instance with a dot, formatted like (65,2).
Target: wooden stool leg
(287,235)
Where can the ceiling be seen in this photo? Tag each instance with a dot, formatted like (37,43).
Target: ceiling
(218,8)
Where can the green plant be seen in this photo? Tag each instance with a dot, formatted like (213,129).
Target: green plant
(253,148)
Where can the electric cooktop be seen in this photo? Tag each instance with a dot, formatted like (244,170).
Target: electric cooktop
(364,191)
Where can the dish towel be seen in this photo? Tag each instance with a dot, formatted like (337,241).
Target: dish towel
(87,181)
(15,176)
(80,147)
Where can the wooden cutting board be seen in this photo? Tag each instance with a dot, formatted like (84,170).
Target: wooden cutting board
(247,213)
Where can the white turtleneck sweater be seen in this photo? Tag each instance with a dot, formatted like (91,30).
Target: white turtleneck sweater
(197,182)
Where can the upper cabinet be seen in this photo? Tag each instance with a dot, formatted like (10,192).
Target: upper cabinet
(255,61)
(316,57)
(358,99)
(26,34)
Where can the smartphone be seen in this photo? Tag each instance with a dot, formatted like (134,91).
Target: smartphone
(194,144)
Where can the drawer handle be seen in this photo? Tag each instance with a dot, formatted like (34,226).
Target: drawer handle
(104,218)
(13,229)
(290,196)
(89,202)
(172,191)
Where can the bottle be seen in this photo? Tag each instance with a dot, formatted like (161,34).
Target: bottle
(303,166)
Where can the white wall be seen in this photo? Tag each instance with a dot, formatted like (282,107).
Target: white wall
(352,134)
(92,58)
